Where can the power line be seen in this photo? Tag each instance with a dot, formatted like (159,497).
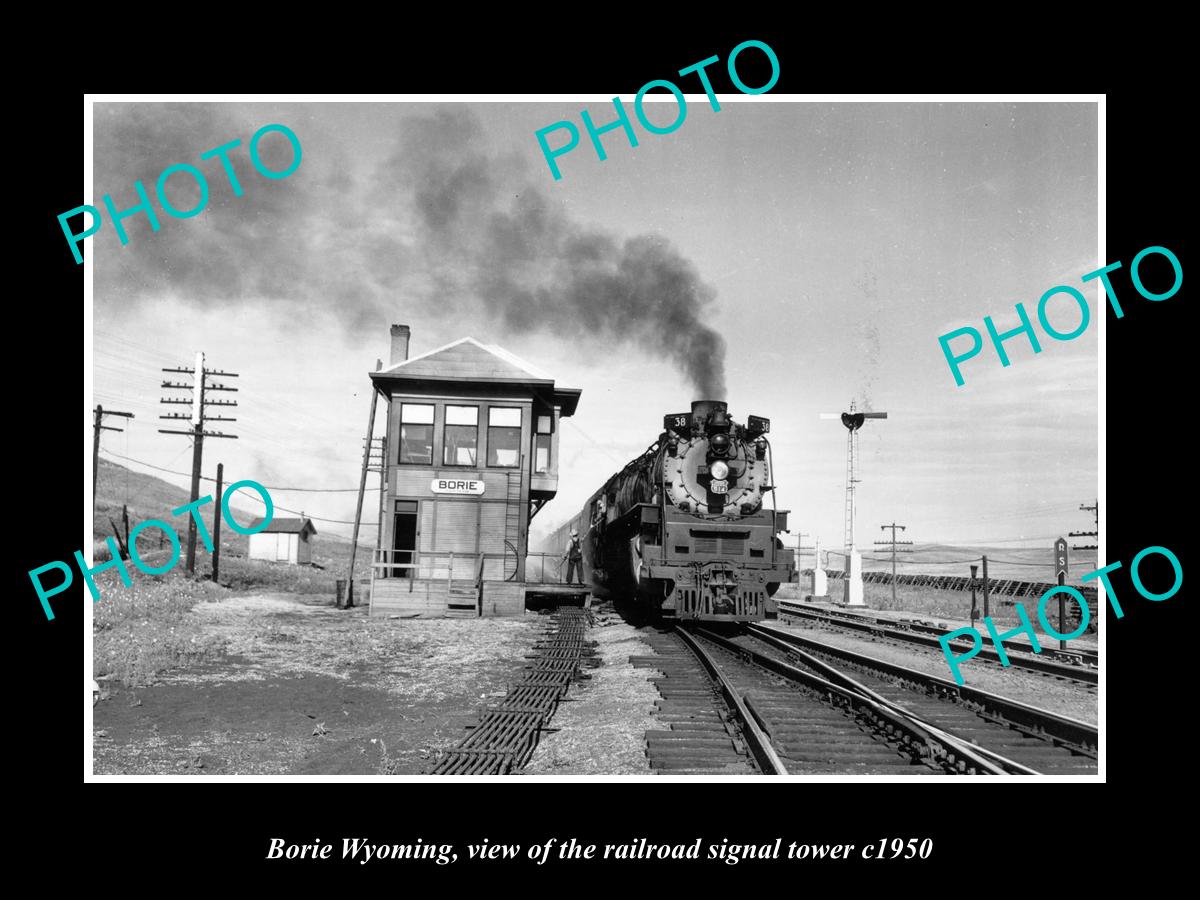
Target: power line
(270,487)
(252,495)
(246,430)
(306,515)
(273,410)
(1026,514)
(595,443)
(1094,508)
(991,541)
(207,478)
(920,562)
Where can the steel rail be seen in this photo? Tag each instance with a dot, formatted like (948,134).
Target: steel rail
(1025,659)
(756,738)
(898,719)
(838,677)
(905,625)
(1033,720)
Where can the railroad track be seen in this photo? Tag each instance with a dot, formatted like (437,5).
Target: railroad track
(1088,655)
(706,730)
(752,702)
(730,710)
(1019,738)
(507,734)
(1075,665)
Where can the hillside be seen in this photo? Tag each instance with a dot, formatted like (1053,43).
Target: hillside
(149,497)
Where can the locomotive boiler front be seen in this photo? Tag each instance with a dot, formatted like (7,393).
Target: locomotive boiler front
(711,466)
(715,551)
(684,528)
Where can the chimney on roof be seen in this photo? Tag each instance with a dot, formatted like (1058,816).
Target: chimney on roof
(400,335)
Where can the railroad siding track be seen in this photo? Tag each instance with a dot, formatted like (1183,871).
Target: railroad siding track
(1037,739)
(1088,654)
(1078,665)
(507,734)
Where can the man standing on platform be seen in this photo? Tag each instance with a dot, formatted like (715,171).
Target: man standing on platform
(574,557)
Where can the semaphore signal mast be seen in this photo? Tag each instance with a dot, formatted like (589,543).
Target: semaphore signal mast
(853,421)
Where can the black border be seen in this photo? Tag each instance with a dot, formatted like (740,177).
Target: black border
(1147,485)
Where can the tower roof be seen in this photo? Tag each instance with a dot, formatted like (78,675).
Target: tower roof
(467,361)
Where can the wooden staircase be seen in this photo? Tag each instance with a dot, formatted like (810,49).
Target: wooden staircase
(462,599)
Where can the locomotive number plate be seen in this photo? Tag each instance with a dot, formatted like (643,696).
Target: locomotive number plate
(719,487)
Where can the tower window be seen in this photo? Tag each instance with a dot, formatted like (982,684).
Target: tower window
(504,436)
(461,435)
(416,434)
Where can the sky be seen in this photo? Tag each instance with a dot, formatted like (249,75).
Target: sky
(792,256)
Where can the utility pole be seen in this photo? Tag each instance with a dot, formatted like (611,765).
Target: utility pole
(985,589)
(217,523)
(974,612)
(1095,509)
(800,549)
(200,389)
(895,545)
(368,443)
(99,426)
(820,585)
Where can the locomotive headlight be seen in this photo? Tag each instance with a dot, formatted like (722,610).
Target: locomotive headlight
(719,470)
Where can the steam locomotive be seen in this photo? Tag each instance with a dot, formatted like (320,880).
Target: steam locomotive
(683,528)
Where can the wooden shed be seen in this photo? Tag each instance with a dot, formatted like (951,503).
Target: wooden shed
(471,456)
(285,541)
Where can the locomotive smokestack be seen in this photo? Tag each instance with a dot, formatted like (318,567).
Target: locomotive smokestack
(400,336)
(701,409)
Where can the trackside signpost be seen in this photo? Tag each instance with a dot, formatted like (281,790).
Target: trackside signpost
(1060,568)
(1026,627)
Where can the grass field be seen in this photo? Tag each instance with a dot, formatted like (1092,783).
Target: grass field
(281,683)
(141,631)
(148,497)
(144,630)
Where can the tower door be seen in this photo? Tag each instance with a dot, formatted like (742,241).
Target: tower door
(404,537)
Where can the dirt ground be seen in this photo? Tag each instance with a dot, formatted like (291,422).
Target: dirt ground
(302,688)
(285,684)
(603,722)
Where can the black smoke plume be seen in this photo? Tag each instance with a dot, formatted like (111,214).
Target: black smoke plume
(441,223)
